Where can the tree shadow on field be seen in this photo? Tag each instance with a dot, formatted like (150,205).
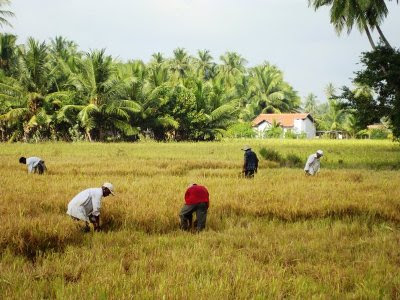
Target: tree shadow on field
(32,242)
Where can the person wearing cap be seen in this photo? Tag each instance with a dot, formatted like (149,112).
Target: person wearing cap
(35,164)
(312,164)
(250,164)
(86,205)
(196,200)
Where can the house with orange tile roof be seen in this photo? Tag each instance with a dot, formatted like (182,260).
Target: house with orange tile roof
(298,123)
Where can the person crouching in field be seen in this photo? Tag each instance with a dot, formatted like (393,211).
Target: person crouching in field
(196,200)
(250,164)
(35,164)
(312,164)
(86,205)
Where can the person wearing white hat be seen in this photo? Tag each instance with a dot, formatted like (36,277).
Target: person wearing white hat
(86,205)
(250,164)
(313,164)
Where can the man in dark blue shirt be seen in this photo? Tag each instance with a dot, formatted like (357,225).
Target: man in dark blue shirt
(250,164)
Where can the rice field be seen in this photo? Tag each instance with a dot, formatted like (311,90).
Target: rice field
(280,235)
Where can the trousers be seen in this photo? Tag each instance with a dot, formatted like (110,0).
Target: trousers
(186,216)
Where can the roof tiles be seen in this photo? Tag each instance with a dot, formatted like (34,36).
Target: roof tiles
(285,120)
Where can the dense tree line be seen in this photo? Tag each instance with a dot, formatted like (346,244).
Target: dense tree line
(55,91)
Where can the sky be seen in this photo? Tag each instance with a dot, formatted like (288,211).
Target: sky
(286,33)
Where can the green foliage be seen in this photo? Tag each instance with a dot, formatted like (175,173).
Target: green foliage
(381,73)
(293,161)
(241,130)
(46,89)
(270,154)
(274,132)
(290,135)
(378,134)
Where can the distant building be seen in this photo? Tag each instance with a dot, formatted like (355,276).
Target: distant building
(297,123)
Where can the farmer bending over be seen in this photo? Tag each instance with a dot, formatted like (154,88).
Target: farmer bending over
(86,205)
(196,200)
(35,164)
(312,164)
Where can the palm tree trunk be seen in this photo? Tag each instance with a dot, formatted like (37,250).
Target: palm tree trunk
(88,135)
(371,41)
(383,37)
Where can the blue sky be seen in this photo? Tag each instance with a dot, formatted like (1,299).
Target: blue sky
(287,33)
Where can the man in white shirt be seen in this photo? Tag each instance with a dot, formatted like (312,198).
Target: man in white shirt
(312,164)
(35,164)
(87,204)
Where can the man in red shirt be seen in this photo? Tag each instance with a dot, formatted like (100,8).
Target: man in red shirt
(196,200)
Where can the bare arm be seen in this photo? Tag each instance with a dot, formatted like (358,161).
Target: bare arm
(95,220)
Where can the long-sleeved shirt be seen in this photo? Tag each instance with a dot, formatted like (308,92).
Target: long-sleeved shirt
(86,203)
(250,161)
(32,163)
(312,164)
(196,194)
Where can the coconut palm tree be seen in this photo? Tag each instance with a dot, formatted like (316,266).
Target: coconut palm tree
(270,94)
(310,104)
(180,63)
(335,116)
(8,53)
(365,14)
(99,107)
(330,91)
(233,65)
(5,13)
(27,112)
(204,64)
(34,67)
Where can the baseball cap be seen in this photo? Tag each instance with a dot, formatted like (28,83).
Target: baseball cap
(110,187)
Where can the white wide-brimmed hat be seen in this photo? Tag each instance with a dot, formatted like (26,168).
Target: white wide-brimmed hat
(110,187)
(320,152)
(245,148)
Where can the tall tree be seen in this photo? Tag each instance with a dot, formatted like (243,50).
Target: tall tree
(204,64)
(8,55)
(310,104)
(365,14)
(101,109)
(233,65)
(4,14)
(180,63)
(270,93)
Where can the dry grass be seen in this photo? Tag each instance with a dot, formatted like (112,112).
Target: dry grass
(281,235)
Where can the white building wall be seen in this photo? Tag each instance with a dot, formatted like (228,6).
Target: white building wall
(309,128)
(263,126)
(300,126)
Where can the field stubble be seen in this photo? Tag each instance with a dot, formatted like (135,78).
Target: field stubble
(280,235)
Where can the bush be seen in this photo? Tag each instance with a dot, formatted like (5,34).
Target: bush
(274,132)
(293,161)
(240,130)
(270,154)
(290,135)
(379,134)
